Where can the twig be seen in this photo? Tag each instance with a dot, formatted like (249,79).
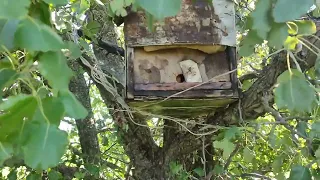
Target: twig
(127,175)
(296,117)
(234,152)
(248,76)
(102,130)
(311,163)
(109,148)
(109,47)
(204,156)
(256,175)
(280,119)
(68,122)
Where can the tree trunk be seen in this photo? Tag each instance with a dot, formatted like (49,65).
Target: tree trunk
(86,127)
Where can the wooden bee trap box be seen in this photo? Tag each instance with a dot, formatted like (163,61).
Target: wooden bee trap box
(182,68)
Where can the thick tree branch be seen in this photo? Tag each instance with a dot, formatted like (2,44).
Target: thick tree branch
(86,128)
(251,104)
(234,152)
(248,76)
(67,171)
(280,119)
(108,46)
(255,175)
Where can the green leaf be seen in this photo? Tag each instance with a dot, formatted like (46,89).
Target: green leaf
(199,172)
(278,35)
(316,12)
(317,153)
(246,84)
(43,92)
(17,108)
(161,8)
(261,18)
(53,111)
(7,31)
(218,169)
(56,2)
(54,175)
(12,175)
(79,175)
(6,151)
(33,176)
(105,140)
(299,172)
(249,42)
(291,43)
(73,107)
(14,101)
(84,44)
(123,12)
(7,76)
(294,92)
(315,174)
(150,21)
(305,27)
(5,64)
(277,164)
(81,6)
(248,155)
(315,130)
(92,169)
(41,12)
(45,146)
(36,36)
(14,9)
(128,2)
(53,66)
(116,5)
(74,49)
(287,10)
(175,168)
(226,146)
(317,67)
(302,127)
(280,176)
(232,132)
(93,27)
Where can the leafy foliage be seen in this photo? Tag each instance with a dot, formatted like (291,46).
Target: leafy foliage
(45,147)
(294,92)
(300,172)
(161,8)
(29,126)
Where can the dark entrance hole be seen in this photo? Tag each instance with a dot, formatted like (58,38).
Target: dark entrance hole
(180,78)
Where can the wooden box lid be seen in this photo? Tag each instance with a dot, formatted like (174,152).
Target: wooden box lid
(198,22)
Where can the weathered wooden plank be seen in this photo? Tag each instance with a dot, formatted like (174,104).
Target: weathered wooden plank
(181,108)
(198,22)
(129,75)
(181,86)
(203,93)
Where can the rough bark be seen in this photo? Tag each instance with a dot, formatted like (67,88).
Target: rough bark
(86,127)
